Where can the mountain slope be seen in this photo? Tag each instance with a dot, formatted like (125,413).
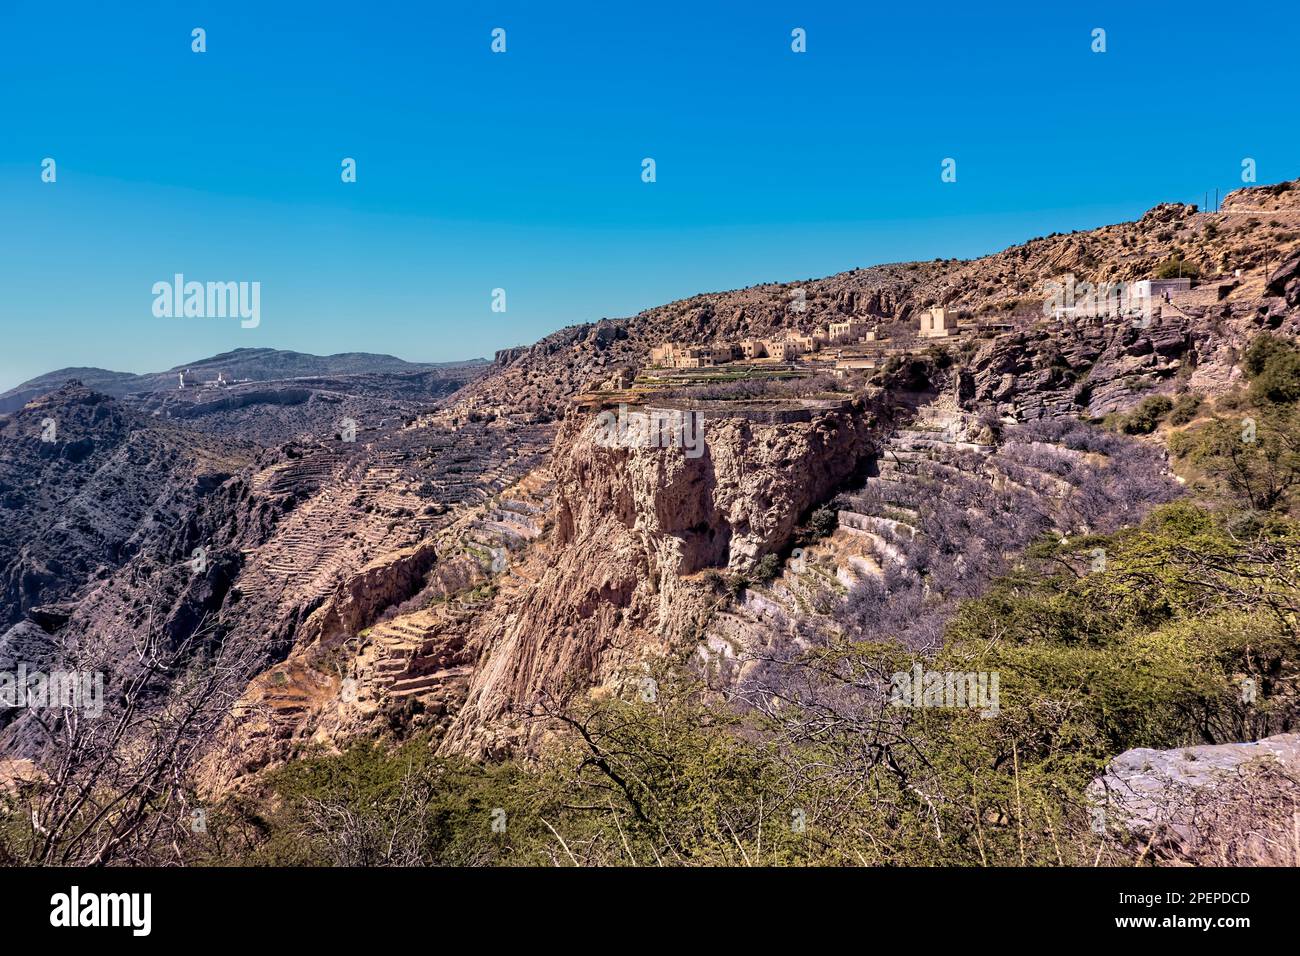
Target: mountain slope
(462,559)
(85,484)
(1256,231)
(254,364)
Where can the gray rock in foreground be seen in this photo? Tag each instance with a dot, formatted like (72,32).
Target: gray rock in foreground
(1222,804)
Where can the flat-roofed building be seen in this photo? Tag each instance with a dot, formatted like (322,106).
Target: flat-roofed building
(1160,288)
(850,330)
(845,365)
(663,354)
(699,356)
(783,350)
(675,355)
(938,323)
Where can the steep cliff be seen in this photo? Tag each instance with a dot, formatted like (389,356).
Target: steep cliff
(619,580)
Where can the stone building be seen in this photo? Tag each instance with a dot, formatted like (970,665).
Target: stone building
(938,323)
(851,331)
(844,366)
(783,350)
(676,355)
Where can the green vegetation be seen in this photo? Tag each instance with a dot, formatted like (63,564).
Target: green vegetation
(1150,650)
(939,356)
(1273,366)
(1184,409)
(823,522)
(761,386)
(1149,413)
(1177,267)
(1143,419)
(1255,457)
(1249,449)
(375,806)
(767,568)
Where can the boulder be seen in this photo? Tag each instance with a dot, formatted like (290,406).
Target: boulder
(1219,804)
(1285,281)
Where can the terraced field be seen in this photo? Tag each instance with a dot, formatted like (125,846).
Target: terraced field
(948,504)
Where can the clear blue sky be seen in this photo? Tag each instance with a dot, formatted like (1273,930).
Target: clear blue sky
(522,170)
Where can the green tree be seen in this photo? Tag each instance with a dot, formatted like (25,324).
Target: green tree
(1273,366)
(1256,457)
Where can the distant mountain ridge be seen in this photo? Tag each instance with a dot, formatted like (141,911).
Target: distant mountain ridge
(256,364)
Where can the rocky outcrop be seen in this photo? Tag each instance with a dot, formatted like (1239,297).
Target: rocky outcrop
(1095,366)
(1268,198)
(357,601)
(1213,805)
(504,357)
(633,527)
(1285,281)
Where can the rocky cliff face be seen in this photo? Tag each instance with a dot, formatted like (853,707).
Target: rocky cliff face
(619,579)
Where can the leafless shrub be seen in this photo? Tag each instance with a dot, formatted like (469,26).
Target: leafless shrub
(117,788)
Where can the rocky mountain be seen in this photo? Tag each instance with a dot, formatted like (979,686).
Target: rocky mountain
(1241,253)
(394,551)
(86,486)
(248,364)
(272,397)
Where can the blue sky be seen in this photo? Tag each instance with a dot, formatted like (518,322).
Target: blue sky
(523,170)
